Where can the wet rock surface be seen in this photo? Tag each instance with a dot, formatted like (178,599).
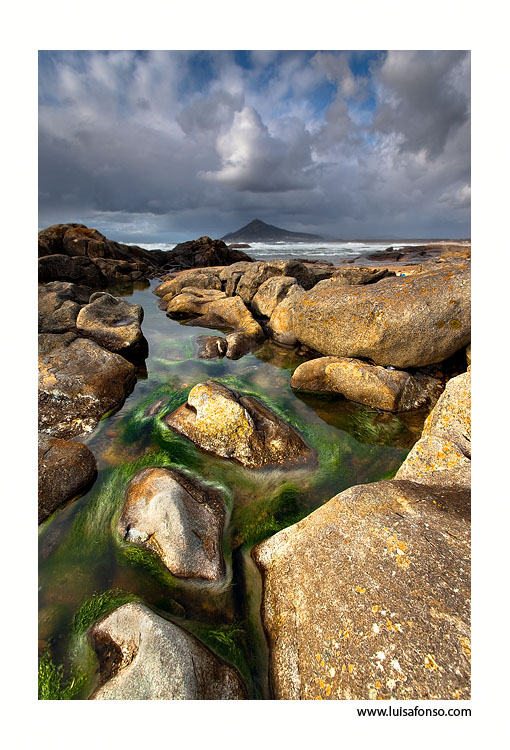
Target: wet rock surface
(78,382)
(404,321)
(174,516)
(145,657)
(224,423)
(112,322)
(65,469)
(388,389)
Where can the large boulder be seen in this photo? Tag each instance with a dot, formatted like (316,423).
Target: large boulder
(222,422)
(78,382)
(144,657)
(58,306)
(65,470)
(387,389)
(442,455)
(204,252)
(405,322)
(368,597)
(170,514)
(112,322)
(92,272)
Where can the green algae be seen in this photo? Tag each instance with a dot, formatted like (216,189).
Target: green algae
(53,684)
(254,523)
(97,605)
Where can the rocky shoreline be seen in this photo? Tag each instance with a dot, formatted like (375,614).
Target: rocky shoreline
(368,596)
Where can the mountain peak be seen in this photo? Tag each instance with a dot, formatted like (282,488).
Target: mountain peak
(258,231)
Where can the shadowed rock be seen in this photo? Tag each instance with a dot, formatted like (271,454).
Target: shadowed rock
(403,321)
(210,347)
(227,424)
(65,469)
(391,390)
(78,382)
(204,252)
(177,518)
(58,306)
(145,657)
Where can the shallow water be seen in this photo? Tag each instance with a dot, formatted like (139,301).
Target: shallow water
(82,556)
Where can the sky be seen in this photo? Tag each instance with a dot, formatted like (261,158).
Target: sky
(166,146)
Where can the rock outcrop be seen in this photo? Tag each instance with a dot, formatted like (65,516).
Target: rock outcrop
(442,456)
(369,596)
(204,252)
(78,382)
(65,470)
(222,422)
(372,385)
(402,321)
(144,657)
(174,516)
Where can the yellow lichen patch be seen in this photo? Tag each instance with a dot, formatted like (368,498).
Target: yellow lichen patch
(360,590)
(430,663)
(375,608)
(328,689)
(466,646)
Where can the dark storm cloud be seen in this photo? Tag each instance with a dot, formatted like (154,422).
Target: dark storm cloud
(169,145)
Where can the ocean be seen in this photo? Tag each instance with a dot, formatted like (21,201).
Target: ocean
(334,252)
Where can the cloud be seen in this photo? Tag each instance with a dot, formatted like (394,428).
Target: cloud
(253,159)
(187,143)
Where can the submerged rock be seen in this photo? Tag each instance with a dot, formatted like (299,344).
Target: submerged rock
(210,347)
(112,322)
(368,597)
(391,390)
(177,518)
(227,424)
(65,469)
(404,322)
(78,382)
(145,657)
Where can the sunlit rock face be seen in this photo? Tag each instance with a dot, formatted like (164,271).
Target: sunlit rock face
(174,516)
(405,322)
(144,657)
(372,385)
(227,424)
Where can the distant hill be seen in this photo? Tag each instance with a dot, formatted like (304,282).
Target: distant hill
(259,231)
